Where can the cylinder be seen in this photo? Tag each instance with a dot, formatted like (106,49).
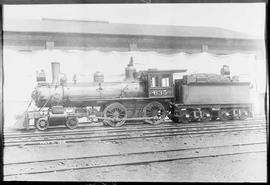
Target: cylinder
(55,72)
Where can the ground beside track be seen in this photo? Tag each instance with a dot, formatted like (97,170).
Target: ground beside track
(248,167)
(238,168)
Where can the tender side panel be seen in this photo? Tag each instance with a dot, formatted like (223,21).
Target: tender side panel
(211,93)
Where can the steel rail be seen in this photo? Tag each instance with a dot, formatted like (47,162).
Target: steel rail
(128,136)
(103,129)
(81,125)
(159,131)
(13,139)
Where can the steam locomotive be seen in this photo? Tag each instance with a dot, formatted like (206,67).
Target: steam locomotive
(148,95)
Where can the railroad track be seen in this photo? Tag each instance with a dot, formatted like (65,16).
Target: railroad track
(16,170)
(130,132)
(91,126)
(123,129)
(82,128)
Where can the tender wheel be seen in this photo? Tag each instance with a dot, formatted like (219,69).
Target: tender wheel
(156,110)
(192,114)
(72,123)
(206,116)
(225,115)
(117,112)
(42,124)
(184,117)
(243,114)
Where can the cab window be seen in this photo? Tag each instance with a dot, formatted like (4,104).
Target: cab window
(154,81)
(165,81)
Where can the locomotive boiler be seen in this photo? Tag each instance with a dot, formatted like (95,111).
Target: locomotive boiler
(148,95)
(86,94)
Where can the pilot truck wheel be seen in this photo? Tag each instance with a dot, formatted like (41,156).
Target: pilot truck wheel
(72,123)
(42,124)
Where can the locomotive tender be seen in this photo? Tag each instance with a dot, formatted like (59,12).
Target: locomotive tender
(148,95)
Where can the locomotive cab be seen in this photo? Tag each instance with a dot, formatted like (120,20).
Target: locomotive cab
(160,83)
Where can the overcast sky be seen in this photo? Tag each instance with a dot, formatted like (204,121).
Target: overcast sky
(244,17)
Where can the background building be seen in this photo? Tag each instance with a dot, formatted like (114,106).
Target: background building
(102,35)
(84,47)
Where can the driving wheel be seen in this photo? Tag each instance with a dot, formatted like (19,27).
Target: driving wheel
(117,113)
(156,111)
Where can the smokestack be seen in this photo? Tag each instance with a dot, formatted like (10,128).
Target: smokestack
(55,72)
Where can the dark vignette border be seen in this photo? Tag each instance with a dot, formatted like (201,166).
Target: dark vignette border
(20,2)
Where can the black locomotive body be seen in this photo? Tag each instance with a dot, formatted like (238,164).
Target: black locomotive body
(149,95)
